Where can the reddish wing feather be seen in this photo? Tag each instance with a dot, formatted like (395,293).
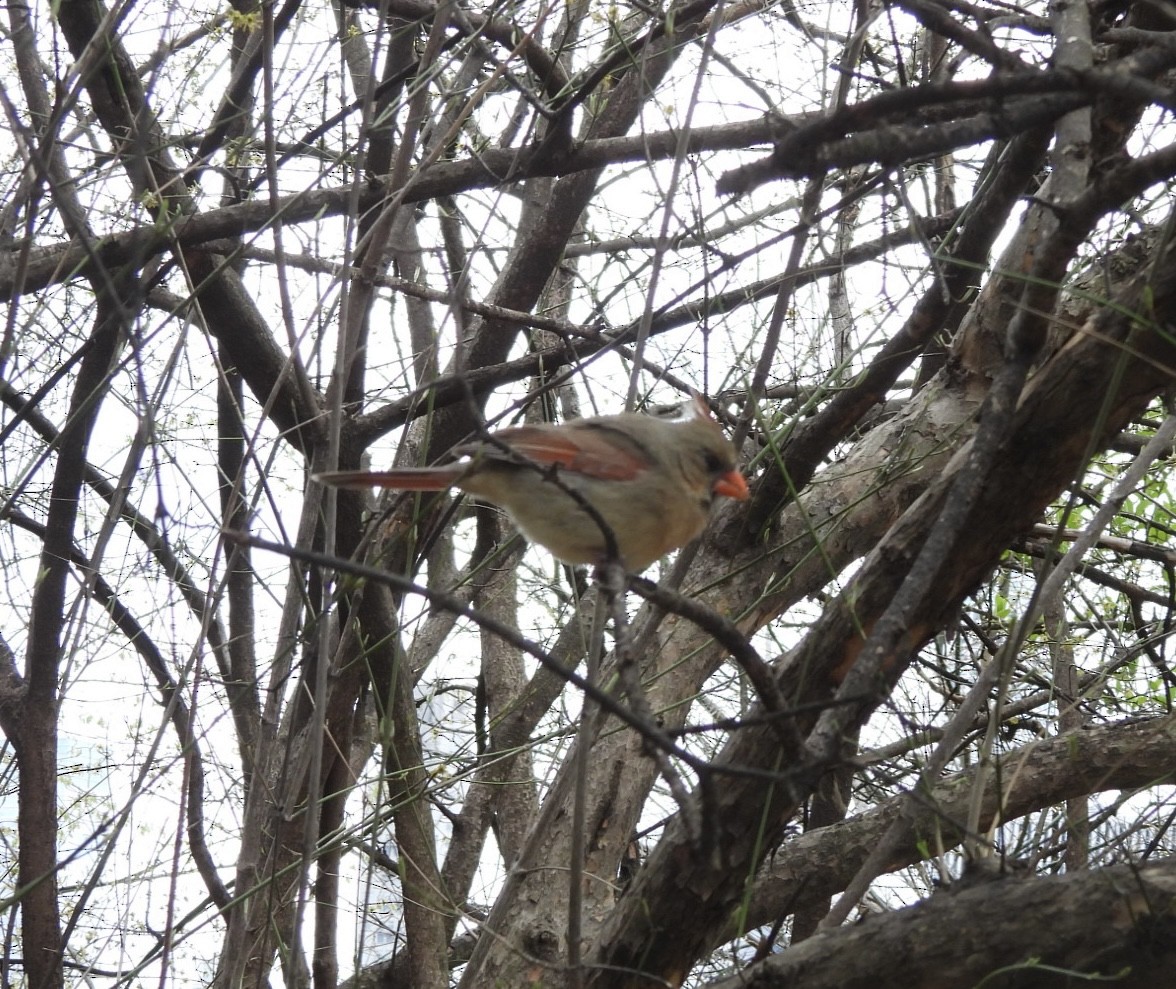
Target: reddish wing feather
(591,451)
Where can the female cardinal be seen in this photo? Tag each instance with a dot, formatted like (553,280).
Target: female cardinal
(650,480)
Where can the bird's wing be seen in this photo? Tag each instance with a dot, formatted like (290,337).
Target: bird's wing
(593,450)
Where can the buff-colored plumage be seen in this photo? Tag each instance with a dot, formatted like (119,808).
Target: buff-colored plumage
(652,481)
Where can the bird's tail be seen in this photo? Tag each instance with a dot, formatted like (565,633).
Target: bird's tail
(403,479)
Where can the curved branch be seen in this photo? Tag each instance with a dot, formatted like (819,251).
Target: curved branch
(173,702)
(818,864)
(1112,922)
(139,524)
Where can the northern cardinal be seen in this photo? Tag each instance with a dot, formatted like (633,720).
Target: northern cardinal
(651,480)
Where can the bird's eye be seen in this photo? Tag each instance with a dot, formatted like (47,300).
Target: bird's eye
(714,463)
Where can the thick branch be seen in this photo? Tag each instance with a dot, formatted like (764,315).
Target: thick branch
(1053,432)
(1115,922)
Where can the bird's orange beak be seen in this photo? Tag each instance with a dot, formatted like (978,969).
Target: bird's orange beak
(732,485)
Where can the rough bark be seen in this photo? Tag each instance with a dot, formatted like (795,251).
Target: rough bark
(1115,922)
(1054,429)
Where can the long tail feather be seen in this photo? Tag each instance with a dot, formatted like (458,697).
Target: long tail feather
(404,479)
